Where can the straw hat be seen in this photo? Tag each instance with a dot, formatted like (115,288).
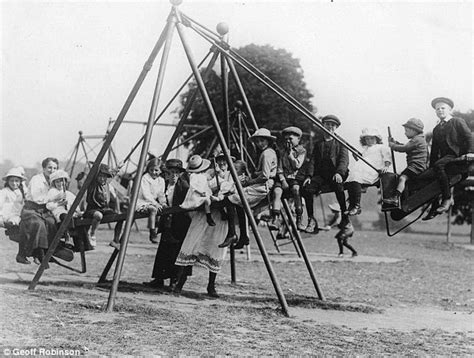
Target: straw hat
(59,174)
(262,133)
(15,172)
(197,164)
(370,132)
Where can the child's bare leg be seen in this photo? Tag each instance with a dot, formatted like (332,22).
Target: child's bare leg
(277,194)
(96,219)
(401,184)
(207,209)
(152,211)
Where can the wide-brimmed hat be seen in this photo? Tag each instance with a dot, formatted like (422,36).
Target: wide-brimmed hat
(370,132)
(59,174)
(197,164)
(174,164)
(331,118)
(292,130)
(262,133)
(15,172)
(104,169)
(448,101)
(414,123)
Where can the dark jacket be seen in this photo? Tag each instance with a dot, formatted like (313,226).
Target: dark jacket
(339,158)
(458,138)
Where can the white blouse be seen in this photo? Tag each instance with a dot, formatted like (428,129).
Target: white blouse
(38,189)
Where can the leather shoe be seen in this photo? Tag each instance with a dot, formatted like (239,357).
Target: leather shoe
(211,292)
(228,241)
(22,260)
(156,283)
(243,241)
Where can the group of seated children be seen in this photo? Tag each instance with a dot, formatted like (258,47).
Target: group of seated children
(290,173)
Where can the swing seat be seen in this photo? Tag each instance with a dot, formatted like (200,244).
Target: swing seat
(424,188)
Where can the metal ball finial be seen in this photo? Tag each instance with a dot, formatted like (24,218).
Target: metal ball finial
(222,28)
(239,104)
(176,2)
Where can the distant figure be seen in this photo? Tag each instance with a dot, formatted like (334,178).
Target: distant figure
(335,219)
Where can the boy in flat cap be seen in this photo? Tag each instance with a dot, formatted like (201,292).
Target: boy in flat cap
(291,158)
(417,156)
(328,165)
(451,139)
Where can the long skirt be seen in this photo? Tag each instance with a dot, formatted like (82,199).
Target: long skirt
(37,230)
(200,247)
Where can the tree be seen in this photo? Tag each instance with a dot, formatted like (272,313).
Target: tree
(462,208)
(270,110)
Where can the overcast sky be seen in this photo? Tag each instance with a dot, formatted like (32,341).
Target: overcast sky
(69,66)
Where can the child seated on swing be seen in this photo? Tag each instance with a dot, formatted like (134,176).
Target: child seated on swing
(199,192)
(417,156)
(360,173)
(291,159)
(60,200)
(12,198)
(101,201)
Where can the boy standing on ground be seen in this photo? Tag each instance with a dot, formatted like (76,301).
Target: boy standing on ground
(328,165)
(451,139)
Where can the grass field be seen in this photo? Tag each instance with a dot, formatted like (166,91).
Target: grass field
(407,295)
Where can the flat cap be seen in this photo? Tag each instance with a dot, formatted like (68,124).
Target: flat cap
(331,118)
(414,123)
(448,101)
(292,130)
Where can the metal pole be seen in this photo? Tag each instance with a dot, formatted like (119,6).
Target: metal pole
(75,154)
(165,108)
(225,113)
(233,172)
(282,94)
(391,150)
(100,156)
(141,164)
(187,108)
(307,261)
(235,75)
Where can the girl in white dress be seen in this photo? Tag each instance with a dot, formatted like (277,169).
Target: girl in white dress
(199,192)
(12,198)
(361,174)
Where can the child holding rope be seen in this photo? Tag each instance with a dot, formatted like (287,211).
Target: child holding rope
(417,156)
